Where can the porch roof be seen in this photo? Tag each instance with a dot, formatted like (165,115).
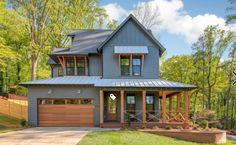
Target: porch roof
(98,81)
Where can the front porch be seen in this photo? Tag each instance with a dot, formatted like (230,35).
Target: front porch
(144,108)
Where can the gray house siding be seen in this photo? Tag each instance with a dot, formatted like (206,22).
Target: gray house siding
(55,70)
(130,35)
(95,65)
(37,92)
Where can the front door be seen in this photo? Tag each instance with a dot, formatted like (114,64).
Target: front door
(111,107)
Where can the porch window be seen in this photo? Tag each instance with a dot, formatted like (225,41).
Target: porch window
(70,70)
(136,66)
(150,103)
(130,105)
(125,65)
(80,67)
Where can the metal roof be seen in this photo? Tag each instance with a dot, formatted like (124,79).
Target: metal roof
(131,50)
(98,81)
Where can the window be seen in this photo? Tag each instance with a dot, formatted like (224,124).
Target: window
(70,70)
(150,103)
(59,101)
(130,103)
(66,101)
(80,67)
(136,66)
(60,71)
(124,65)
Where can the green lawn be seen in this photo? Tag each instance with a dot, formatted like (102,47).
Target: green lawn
(8,124)
(132,138)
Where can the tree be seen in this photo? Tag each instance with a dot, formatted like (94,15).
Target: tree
(210,48)
(112,24)
(49,20)
(147,15)
(231,17)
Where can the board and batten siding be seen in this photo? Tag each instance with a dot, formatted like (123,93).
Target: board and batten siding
(130,35)
(95,65)
(37,92)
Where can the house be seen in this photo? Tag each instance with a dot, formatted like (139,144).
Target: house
(108,78)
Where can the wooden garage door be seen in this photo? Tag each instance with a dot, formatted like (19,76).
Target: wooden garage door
(81,115)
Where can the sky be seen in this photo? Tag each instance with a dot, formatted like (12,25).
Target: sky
(182,22)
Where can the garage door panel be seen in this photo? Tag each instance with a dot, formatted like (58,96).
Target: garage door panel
(67,121)
(67,125)
(75,112)
(66,115)
(45,118)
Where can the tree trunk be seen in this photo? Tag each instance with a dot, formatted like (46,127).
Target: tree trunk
(209,98)
(34,67)
(1,81)
(18,72)
(195,101)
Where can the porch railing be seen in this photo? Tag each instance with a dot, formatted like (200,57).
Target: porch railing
(152,116)
(133,115)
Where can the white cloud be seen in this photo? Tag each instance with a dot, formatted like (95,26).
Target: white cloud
(115,11)
(174,19)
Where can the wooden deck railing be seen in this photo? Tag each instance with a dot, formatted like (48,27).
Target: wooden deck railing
(152,116)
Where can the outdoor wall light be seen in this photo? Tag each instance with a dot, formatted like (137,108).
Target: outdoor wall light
(49,92)
(112,96)
(78,92)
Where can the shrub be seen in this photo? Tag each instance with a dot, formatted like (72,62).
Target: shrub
(204,124)
(129,120)
(179,127)
(155,127)
(168,127)
(195,127)
(21,91)
(23,122)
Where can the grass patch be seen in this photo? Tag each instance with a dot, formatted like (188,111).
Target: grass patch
(8,124)
(132,138)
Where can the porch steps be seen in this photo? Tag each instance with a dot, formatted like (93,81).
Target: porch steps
(111,125)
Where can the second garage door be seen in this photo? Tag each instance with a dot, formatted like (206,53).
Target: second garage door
(66,112)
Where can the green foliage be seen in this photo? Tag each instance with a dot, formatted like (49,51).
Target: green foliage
(112,24)
(168,127)
(231,17)
(22,91)
(204,124)
(23,122)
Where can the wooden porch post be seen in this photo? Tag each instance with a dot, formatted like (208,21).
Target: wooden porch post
(164,107)
(75,65)
(186,106)
(86,65)
(122,107)
(144,106)
(101,94)
(178,107)
(170,106)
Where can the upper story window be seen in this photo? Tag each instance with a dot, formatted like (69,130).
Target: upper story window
(125,62)
(136,68)
(80,67)
(70,70)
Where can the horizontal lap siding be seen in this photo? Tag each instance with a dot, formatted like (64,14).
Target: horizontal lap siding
(66,115)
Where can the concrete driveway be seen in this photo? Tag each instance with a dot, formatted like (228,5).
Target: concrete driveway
(46,136)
